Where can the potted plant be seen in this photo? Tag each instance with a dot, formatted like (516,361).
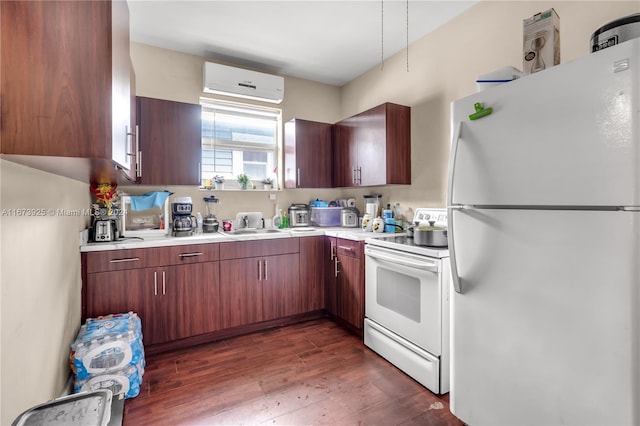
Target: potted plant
(219,181)
(268,183)
(243,180)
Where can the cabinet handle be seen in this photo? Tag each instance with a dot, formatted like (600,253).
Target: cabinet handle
(199,179)
(139,151)
(335,267)
(298,177)
(155,283)
(183,255)
(349,249)
(360,175)
(353,176)
(333,251)
(259,270)
(164,289)
(266,273)
(128,259)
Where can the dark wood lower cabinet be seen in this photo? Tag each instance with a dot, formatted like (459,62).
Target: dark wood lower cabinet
(344,264)
(191,294)
(173,302)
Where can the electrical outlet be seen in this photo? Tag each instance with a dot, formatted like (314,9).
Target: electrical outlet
(272,197)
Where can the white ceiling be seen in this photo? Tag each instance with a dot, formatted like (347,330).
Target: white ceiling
(331,42)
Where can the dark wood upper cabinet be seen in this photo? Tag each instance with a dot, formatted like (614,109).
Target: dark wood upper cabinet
(170,139)
(308,154)
(65,84)
(374,147)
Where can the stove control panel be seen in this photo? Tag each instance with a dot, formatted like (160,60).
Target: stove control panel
(424,216)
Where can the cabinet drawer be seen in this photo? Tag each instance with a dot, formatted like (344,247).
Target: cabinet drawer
(256,248)
(118,260)
(196,253)
(349,248)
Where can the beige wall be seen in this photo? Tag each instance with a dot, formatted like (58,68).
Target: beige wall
(177,76)
(443,66)
(40,284)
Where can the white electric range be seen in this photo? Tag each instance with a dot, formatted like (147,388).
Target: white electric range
(407,304)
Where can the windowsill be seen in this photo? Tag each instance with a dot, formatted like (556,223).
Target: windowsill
(235,189)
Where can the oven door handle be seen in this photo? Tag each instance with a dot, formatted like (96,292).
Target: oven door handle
(424,265)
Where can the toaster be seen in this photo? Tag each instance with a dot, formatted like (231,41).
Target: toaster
(349,217)
(104,230)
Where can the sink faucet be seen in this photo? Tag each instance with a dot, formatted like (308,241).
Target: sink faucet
(245,222)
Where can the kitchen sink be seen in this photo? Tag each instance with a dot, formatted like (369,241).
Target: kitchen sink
(254,231)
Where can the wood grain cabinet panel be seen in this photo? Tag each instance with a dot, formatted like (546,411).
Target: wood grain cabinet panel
(174,301)
(65,84)
(345,280)
(312,273)
(308,154)
(373,147)
(170,138)
(259,281)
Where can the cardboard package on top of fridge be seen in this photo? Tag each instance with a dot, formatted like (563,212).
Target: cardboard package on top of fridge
(541,41)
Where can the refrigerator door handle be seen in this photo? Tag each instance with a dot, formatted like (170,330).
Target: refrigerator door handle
(455,278)
(457,131)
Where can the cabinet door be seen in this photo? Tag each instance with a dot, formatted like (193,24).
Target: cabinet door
(350,287)
(312,272)
(137,290)
(372,147)
(195,290)
(345,154)
(240,292)
(64,81)
(116,292)
(308,154)
(160,308)
(170,138)
(281,287)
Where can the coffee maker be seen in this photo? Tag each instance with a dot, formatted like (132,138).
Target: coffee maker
(183,223)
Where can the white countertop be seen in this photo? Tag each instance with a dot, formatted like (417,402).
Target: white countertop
(355,234)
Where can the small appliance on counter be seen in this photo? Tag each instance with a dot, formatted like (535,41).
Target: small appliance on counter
(104,230)
(349,217)
(183,223)
(298,215)
(210,223)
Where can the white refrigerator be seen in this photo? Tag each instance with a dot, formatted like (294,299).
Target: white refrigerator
(544,238)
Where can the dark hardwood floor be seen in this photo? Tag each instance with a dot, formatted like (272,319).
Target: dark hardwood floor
(309,373)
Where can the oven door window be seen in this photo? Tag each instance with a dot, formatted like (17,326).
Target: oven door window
(399,292)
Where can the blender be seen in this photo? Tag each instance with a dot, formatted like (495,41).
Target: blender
(210,222)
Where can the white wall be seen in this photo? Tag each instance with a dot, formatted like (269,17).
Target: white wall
(40,284)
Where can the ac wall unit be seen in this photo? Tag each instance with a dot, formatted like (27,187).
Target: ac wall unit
(238,82)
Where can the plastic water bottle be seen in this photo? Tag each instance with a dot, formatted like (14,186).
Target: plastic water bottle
(198,223)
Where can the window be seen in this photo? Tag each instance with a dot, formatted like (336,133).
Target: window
(239,139)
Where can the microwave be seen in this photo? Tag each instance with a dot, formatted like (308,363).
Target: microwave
(140,223)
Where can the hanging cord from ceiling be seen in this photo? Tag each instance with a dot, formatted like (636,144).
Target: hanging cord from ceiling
(407,10)
(381,35)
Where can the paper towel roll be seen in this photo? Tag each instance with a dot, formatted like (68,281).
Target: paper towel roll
(371,209)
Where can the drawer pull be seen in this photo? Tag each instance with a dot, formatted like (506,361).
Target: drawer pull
(128,259)
(349,249)
(183,255)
